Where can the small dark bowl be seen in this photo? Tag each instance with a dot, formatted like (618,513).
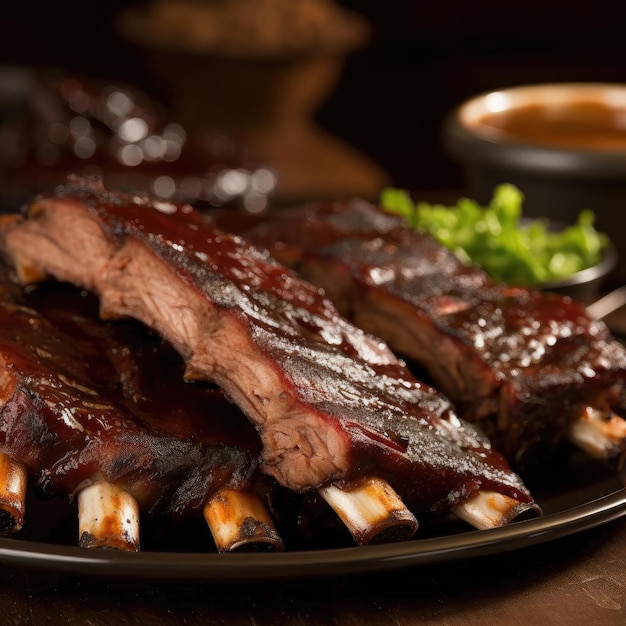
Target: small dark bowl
(586,286)
(563,167)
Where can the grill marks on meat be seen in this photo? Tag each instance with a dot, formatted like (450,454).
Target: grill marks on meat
(330,402)
(520,363)
(60,417)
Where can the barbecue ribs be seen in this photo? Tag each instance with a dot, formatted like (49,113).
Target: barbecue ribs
(530,368)
(331,403)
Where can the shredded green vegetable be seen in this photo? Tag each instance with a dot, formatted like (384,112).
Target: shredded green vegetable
(494,237)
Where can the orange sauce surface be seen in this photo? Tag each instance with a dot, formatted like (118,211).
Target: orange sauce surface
(583,125)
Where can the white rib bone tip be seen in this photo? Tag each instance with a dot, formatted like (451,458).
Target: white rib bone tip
(371,510)
(602,434)
(239,520)
(13,482)
(490,509)
(108,517)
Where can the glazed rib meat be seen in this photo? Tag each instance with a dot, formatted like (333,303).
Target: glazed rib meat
(146,377)
(142,373)
(524,365)
(63,417)
(330,402)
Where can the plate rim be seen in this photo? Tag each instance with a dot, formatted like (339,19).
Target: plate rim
(171,565)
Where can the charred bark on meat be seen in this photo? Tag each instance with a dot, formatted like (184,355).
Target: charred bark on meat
(525,366)
(71,423)
(330,402)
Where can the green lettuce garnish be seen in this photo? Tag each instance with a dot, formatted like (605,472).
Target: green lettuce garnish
(496,238)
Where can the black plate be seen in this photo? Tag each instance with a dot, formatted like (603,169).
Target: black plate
(579,495)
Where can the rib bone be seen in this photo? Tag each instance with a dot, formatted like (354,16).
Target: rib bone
(13,482)
(489,509)
(108,517)
(371,510)
(602,434)
(240,521)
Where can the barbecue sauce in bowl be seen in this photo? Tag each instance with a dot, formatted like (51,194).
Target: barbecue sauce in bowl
(580,125)
(562,144)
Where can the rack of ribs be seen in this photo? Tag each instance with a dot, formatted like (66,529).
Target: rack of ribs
(532,369)
(146,378)
(74,421)
(336,411)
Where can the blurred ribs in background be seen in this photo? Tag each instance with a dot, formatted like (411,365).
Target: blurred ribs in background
(53,123)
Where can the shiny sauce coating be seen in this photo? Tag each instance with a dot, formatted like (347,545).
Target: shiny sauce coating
(74,409)
(323,369)
(344,373)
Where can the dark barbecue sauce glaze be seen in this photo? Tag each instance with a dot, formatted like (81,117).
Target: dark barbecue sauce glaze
(68,419)
(519,362)
(145,374)
(397,427)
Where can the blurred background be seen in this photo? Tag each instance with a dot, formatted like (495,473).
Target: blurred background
(335,98)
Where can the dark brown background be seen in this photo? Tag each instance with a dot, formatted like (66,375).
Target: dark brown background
(425,57)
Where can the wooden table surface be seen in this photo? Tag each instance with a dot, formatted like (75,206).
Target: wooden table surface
(579,579)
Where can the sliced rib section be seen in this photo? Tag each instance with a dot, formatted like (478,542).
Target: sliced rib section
(330,402)
(522,364)
(64,424)
(149,374)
